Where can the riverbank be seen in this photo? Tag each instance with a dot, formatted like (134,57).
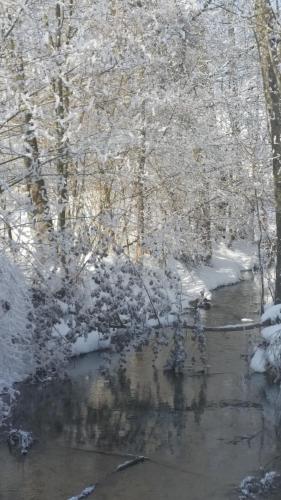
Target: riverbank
(267,354)
(224,269)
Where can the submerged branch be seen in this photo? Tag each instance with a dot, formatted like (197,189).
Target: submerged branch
(130,463)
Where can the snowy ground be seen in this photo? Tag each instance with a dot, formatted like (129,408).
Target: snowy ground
(93,341)
(225,269)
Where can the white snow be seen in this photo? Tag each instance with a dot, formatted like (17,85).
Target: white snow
(259,360)
(269,332)
(270,355)
(92,342)
(272,313)
(60,329)
(269,478)
(273,352)
(246,487)
(85,493)
(224,269)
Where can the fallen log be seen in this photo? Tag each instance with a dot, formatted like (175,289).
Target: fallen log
(225,328)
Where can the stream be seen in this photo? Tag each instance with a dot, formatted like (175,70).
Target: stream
(203,431)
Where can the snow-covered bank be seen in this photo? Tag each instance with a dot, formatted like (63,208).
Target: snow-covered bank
(224,269)
(267,355)
(92,341)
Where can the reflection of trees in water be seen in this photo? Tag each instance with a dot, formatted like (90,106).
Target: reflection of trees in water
(268,435)
(138,409)
(272,410)
(105,414)
(199,406)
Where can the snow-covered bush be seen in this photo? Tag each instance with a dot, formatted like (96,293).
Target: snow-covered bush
(20,440)
(16,353)
(111,298)
(118,298)
(106,298)
(267,355)
(252,486)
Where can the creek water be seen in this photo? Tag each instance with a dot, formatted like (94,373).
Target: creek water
(203,432)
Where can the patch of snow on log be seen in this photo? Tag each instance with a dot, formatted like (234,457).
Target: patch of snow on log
(259,360)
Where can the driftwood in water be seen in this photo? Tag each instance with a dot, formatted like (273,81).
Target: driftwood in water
(85,493)
(225,328)
(130,463)
(91,489)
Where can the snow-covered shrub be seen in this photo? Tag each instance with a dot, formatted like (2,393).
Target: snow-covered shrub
(21,440)
(267,356)
(16,353)
(252,486)
(111,298)
(123,298)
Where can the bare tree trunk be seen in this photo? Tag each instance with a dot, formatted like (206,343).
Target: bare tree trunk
(139,185)
(62,153)
(35,182)
(270,59)
(60,42)
(7,225)
(61,109)
(204,228)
